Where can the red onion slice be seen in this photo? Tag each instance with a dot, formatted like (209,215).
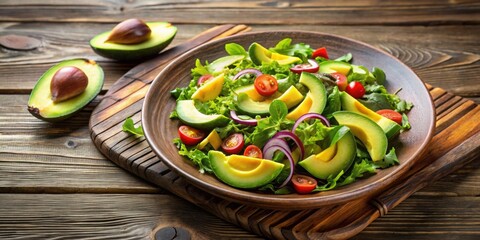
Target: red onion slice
(311,67)
(253,71)
(248,122)
(310,115)
(294,137)
(279,144)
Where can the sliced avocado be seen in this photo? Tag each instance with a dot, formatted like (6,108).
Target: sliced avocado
(369,133)
(259,54)
(243,172)
(247,105)
(223,62)
(162,34)
(40,103)
(189,114)
(213,139)
(332,66)
(302,108)
(316,87)
(210,89)
(332,160)
(251,92)
(349,103)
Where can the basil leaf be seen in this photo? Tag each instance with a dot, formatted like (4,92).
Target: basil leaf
(235,49)
(128,126)
(278,110)
(345,58)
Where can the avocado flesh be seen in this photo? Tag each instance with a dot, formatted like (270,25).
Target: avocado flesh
(243,172)
(259,54)
(349,103)
(365,129)
(247,105)
(162,34)
(189,114)
(324,165)
(40,103)
(332,66)
(316,87)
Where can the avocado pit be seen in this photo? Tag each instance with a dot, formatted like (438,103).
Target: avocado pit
(67,83)
(130,31)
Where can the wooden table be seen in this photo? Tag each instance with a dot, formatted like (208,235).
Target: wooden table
(54,183)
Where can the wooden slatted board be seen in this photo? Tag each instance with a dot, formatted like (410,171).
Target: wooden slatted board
(456,142)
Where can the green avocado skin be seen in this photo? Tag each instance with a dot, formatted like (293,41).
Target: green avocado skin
(40,104)
(132,53)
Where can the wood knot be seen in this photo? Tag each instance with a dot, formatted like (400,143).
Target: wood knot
(168,233)
(17,42)
(71,144)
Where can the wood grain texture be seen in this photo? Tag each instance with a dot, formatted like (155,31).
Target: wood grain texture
(432,61)
(439,39)
(366,12)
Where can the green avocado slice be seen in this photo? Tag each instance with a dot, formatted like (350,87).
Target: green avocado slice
(365,129)
(161,36)
(332,160)
(40,103)
(189,114)
(243,172)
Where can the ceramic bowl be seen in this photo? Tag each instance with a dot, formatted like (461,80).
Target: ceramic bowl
(160,130)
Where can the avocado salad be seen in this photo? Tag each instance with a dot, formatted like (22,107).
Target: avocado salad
(287,118)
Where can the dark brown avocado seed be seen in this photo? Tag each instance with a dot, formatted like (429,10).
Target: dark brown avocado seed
(67,83)
(130,31)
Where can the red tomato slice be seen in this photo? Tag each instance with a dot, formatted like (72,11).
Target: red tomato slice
(355,89)
(233,144)
(341,80)
(253,151)
(320,52)
(203,79)
(266,85)
(391,114)
(189,135)
(303,184)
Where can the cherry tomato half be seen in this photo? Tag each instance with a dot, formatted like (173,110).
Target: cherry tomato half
(341,80)
(233,144)
(355,89)
(253,151)
(203,79)
(190,136)
(303,184)
(266,85)
(320,52)
(391,114)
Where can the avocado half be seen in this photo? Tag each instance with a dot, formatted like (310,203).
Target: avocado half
(161,36)
(40,103)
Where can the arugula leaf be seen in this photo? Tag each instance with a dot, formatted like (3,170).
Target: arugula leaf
(379,75)
(200,69)
(235,49)
(345,58)
(390,159)
(128,126)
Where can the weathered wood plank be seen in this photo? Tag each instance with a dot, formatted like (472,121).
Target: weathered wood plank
(116,216)
(429,57)
(135,216)
(322,12)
